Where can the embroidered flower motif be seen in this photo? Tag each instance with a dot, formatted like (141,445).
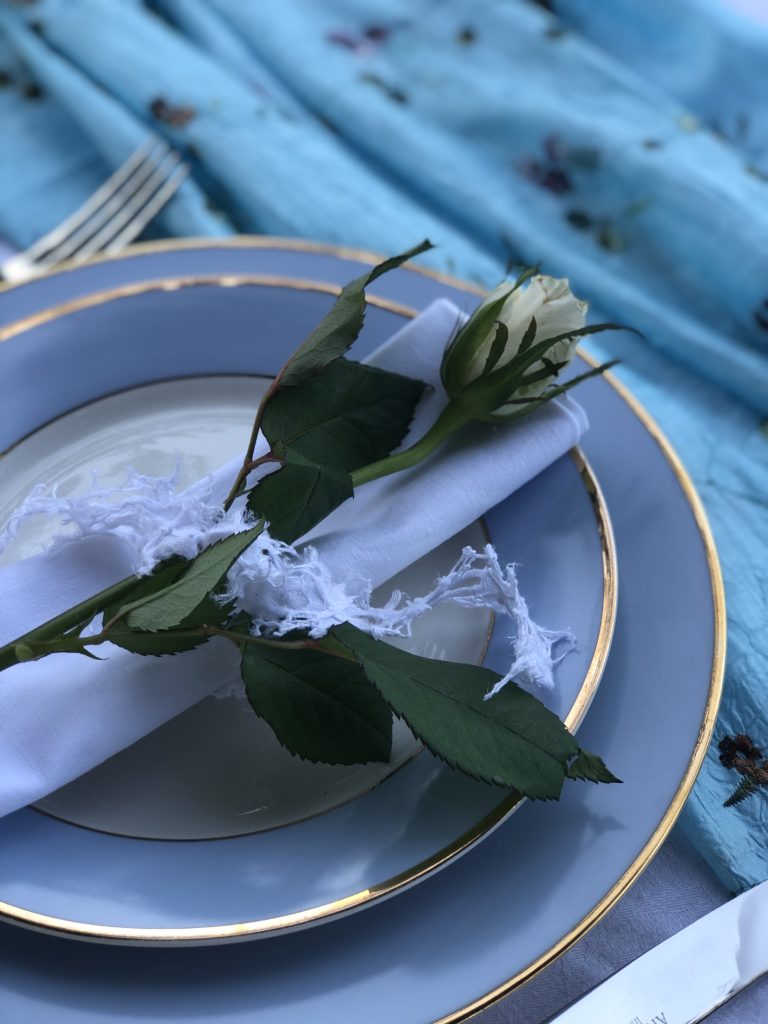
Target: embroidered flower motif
(740,754)
(176,115)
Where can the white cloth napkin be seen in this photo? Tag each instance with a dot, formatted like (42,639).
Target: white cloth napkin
(62,716)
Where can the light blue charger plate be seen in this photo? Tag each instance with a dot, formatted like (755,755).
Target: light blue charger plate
(470,933)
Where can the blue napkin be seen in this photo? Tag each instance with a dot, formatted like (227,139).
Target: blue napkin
(620,144)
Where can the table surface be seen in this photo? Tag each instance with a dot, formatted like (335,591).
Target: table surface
(677,889)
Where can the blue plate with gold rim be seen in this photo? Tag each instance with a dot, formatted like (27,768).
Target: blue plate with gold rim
(212,794)
(465,936)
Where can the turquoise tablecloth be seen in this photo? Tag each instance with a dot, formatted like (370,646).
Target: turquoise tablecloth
(623,144)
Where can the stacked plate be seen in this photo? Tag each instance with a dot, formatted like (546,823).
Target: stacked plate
(206,833)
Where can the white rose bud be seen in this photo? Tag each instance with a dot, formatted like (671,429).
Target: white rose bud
(503,363)
(482,348)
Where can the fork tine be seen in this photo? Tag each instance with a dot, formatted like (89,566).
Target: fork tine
(102,215)
(152,208)
(57,235)
(138,211)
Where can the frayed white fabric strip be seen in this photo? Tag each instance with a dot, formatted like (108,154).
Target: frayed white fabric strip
(282,587)
(150,514)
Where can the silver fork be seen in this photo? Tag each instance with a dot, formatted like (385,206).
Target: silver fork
(109,219)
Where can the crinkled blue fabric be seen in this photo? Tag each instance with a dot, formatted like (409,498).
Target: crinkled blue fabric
(621,144)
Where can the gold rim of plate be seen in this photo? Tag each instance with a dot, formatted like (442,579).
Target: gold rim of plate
(672,812)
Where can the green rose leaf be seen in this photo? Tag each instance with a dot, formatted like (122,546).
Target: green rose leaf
(339,329)
(155,644)
(320,707)
(173,606)
(161,576)
(591,768)
(209,612)
(346,416)
(298,496)
(512,740)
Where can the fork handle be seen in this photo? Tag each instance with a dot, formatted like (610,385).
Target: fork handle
(7,250)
